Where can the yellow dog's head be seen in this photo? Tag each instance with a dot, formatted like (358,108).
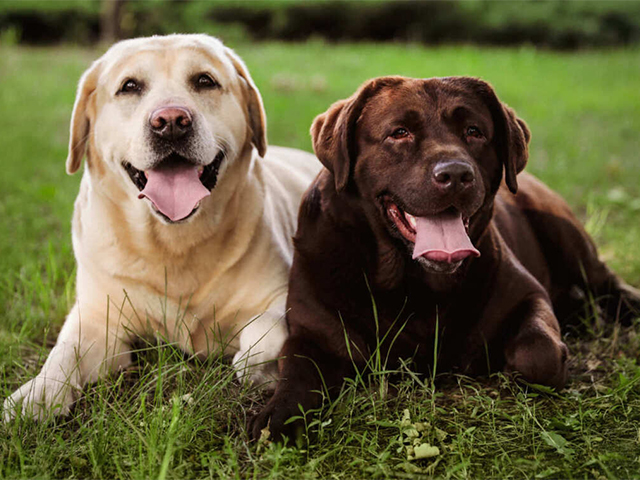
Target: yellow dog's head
(165,117)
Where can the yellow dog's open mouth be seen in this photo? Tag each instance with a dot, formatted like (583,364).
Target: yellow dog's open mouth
(176,185)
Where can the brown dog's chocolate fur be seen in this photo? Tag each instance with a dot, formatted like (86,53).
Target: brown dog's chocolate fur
(495,312)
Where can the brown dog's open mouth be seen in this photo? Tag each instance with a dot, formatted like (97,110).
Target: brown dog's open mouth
(176,186)
(438,238)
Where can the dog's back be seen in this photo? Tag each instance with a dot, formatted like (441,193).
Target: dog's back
(548,239)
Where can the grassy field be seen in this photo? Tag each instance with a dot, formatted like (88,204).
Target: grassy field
(173,417)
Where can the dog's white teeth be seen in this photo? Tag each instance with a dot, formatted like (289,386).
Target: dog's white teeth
(200,170)
(146,175)
(411,220)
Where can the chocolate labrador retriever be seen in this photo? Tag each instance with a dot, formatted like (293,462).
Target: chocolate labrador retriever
(412,211)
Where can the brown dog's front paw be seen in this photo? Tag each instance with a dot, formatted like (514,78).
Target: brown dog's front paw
(540,359)
(275,419)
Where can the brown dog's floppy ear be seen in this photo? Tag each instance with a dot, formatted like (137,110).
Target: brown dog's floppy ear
(330,138)
(332,132)
(257,115)
(515,146)
(511,135)
(80,125)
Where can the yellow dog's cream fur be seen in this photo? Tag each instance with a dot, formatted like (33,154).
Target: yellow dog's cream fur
(221,273)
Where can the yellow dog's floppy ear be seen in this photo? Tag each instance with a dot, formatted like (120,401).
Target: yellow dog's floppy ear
(333,132)
(80,125)
(257,115)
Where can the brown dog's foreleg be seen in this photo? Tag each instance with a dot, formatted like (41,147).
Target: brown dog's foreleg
(536,351)
(308,373)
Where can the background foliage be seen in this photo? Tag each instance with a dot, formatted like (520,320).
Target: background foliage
(550,23)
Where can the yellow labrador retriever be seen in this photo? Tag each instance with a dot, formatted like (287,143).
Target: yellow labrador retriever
(182,227)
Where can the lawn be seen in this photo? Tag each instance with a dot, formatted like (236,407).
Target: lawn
(173,417)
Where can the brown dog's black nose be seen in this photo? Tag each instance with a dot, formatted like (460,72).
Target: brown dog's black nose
(453,175)
(171,122)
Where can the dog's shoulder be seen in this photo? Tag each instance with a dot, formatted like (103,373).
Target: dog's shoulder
(323,211)
(310,207)
(316,224)
(330,236)
(318,205)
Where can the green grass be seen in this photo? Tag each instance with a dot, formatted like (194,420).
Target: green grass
(173,417)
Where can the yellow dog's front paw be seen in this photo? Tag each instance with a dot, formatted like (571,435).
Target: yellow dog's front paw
(41,398)
(259,369)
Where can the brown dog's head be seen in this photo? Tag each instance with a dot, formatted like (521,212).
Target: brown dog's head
(427,157)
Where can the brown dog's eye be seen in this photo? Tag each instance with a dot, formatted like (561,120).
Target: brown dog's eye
(130,86)
(399,133)
(204,81)
(474,132)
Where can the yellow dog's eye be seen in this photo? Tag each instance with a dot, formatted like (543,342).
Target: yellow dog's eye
(130,86)
(204,80)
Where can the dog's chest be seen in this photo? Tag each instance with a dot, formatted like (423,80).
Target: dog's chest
(420,326)
(193,300)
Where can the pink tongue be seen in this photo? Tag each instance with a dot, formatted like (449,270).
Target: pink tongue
(174,190)
(443,238)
